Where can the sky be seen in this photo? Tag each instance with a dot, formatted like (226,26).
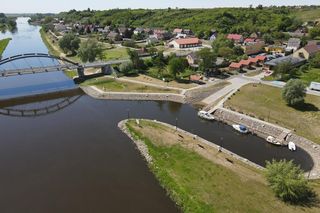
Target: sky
(45,6)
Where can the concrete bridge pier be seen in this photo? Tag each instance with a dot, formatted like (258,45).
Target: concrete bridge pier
(106,70)
(80,71)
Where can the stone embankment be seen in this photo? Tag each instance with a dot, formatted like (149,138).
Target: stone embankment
(144,149)
(99,94)
(264,129)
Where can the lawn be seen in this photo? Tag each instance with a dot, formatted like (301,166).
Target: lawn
(3,45)
(311,75)
(308,14)
(115,54)
(265,102)
(112,85)
(253,73)
(204,181)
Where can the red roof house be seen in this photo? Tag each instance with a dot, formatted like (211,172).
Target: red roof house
(235,37)
(185,43)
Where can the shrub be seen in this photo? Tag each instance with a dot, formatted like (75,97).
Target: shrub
(294,92)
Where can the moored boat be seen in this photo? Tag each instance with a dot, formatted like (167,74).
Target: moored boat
(292,146)
(240,128)
(205,115)
(274,141)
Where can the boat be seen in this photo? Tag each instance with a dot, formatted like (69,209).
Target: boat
(240,128)
(292,146)
(274,141)
(205,115)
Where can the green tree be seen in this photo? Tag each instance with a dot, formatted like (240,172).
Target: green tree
(207,59)
(284,71)
(225,52)
(221,42)
(287,181)
(90,50)
(268,39)
(69,43)
(135,59)
(315,62)
(177,65)
(127,68)
(294,92)
(314,32)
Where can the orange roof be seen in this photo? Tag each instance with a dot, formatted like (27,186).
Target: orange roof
(245,62)
(253,60)
(235,65)
(195,77)
(183,41)
(261,57)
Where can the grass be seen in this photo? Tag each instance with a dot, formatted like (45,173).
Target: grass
(203,181)
(308,14)
(3,45)
(112,85)
(71,73)
(115,54)
(265,102)
(311,75)
(48,43)
(253,73)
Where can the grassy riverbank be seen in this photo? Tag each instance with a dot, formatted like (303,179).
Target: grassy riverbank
(3,45)
(202,180)
(48,43)
(265,102)
(112,85)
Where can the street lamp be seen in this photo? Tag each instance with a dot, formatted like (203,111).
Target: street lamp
(176,123)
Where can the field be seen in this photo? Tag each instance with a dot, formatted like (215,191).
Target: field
(311,75)
(3,45)
(308,14)
(115,54)
(204,181)
(111,85)
(265,102)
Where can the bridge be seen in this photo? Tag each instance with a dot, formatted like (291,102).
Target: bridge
(58,64)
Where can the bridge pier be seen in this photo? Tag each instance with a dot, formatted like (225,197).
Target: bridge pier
(80,71)
(106,70)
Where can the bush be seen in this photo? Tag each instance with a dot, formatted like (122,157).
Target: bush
(287,181)
(127,69)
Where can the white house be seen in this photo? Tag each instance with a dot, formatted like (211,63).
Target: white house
(185,43)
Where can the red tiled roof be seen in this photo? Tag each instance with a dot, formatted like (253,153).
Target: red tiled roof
(261,57)
(235,65)
(247,40)
(195,77)
(245,62)
(184,41)
(234,36)
(253,60)
(177,30)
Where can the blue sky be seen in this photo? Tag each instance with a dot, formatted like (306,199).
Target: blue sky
(20,6)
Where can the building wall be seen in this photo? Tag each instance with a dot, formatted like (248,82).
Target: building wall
(302,53)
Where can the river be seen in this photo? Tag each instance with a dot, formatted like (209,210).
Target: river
(75,159)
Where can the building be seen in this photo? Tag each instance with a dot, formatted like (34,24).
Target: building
(293,44)
(185,43)
(275,49)
(235,38)
(294,61)
(152,40)
(177,31)
(138,31)
(235,66)
(114,36)
(314,86)
(193,59)
(307,52)
(253,47)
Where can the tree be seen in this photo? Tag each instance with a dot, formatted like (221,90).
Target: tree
(135,59)
(315,62)
(294,92)
(69,43)
(127,68)
(221,42)
(177,65)
(90,50)
(207,58)
(314,32)
(283,71)
(225,52)
(287,181)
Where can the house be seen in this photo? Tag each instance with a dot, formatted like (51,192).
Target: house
(254,35)
(60,27)
(293,44)
(235,38)
(275,49)
(188,32)
(307,51)
(213,35)
(138,31)
(185,43)
(181,35)
(193,59)
(249,41)
(114,36)
(235,66)
(152,40)
(177,31)
(162,34)
(195,78)
(253,47)
(294,61)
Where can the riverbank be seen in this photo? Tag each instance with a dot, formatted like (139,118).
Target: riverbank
(46,40)
(198,177)
(3,45)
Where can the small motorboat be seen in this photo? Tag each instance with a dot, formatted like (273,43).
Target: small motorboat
(205,115)
(292,146)
(274,141)
(241,128)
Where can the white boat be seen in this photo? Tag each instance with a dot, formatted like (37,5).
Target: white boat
(292,146)
(240,128)
(205,115)
(274,141)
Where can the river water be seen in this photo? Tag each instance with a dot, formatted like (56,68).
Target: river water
(77,160)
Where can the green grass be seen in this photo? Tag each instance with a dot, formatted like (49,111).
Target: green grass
(198,185)
(308,14)
(265,102)
(253,73)
(48,43)
(71,73)
(3,45)
(111,85)
(311,75)
(115,54)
